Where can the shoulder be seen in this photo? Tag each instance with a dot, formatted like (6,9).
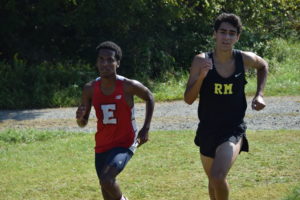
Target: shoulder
(247,55)
(88,88)
(132,86)
(251,59)
(89,85)
(131,83)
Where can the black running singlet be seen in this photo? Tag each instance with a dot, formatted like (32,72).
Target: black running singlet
(222,100)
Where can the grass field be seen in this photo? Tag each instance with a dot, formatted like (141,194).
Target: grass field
(61,166)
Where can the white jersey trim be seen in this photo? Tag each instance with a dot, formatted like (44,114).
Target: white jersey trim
(135,143)
(119,77)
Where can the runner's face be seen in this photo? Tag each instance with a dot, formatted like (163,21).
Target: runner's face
(226,36)
(107,63)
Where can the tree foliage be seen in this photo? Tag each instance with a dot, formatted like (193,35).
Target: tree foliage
(156,36)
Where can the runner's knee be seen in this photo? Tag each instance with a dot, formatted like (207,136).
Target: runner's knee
(108,177)
(218,178)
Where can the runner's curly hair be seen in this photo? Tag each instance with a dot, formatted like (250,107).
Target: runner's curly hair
(230,18)
(112,46)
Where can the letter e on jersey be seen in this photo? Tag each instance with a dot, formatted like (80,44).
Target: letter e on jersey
(108,114)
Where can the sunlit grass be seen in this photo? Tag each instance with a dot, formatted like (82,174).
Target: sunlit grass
(168,167)
(284,76)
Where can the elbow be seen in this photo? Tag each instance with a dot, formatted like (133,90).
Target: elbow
(151,98)
(263,71)
(266,68)
(188,100)
(150,101)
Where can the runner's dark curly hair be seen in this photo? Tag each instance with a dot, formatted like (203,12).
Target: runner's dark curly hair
(112,46)
(230,18)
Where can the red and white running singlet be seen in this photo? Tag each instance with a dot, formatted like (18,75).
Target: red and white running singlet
(116,125)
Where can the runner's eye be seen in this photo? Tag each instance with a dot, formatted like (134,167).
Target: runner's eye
(232,34)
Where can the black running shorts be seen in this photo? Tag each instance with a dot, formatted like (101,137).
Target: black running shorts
(209,139)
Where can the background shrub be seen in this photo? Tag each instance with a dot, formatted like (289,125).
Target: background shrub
(47,46)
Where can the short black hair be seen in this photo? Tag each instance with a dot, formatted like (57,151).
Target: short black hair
(230,18)
(112,46)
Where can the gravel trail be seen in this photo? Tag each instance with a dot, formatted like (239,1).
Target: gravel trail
(280,113)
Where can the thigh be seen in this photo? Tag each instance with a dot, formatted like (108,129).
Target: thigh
(206,163)
(100,160)
(226,154)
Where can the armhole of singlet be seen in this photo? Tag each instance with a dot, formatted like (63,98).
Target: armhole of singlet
(95,83)
(239,60)
(120,82)
(120,85)
(209,55)
(98,78)
(240,64)
(94,86)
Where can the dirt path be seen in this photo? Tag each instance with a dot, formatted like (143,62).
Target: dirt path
(280,113)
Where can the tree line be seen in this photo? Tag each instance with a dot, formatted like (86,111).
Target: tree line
(157,36)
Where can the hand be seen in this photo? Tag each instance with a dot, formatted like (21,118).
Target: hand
(258,103)
(205,66)
(143,136)
(80,115)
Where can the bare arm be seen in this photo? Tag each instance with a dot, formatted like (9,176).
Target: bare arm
(252,60)
(198,71)
(84,109)
(136,88)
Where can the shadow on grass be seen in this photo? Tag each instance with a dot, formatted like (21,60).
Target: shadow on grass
(19,114)
(295,194)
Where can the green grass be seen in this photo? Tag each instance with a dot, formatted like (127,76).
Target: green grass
(13,136)
(284,64)
(171,89)
(168,167)
(283,78)
(295,195)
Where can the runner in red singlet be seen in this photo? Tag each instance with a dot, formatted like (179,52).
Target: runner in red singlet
(117,136)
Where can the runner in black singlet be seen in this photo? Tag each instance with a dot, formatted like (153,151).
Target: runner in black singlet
(218,78)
